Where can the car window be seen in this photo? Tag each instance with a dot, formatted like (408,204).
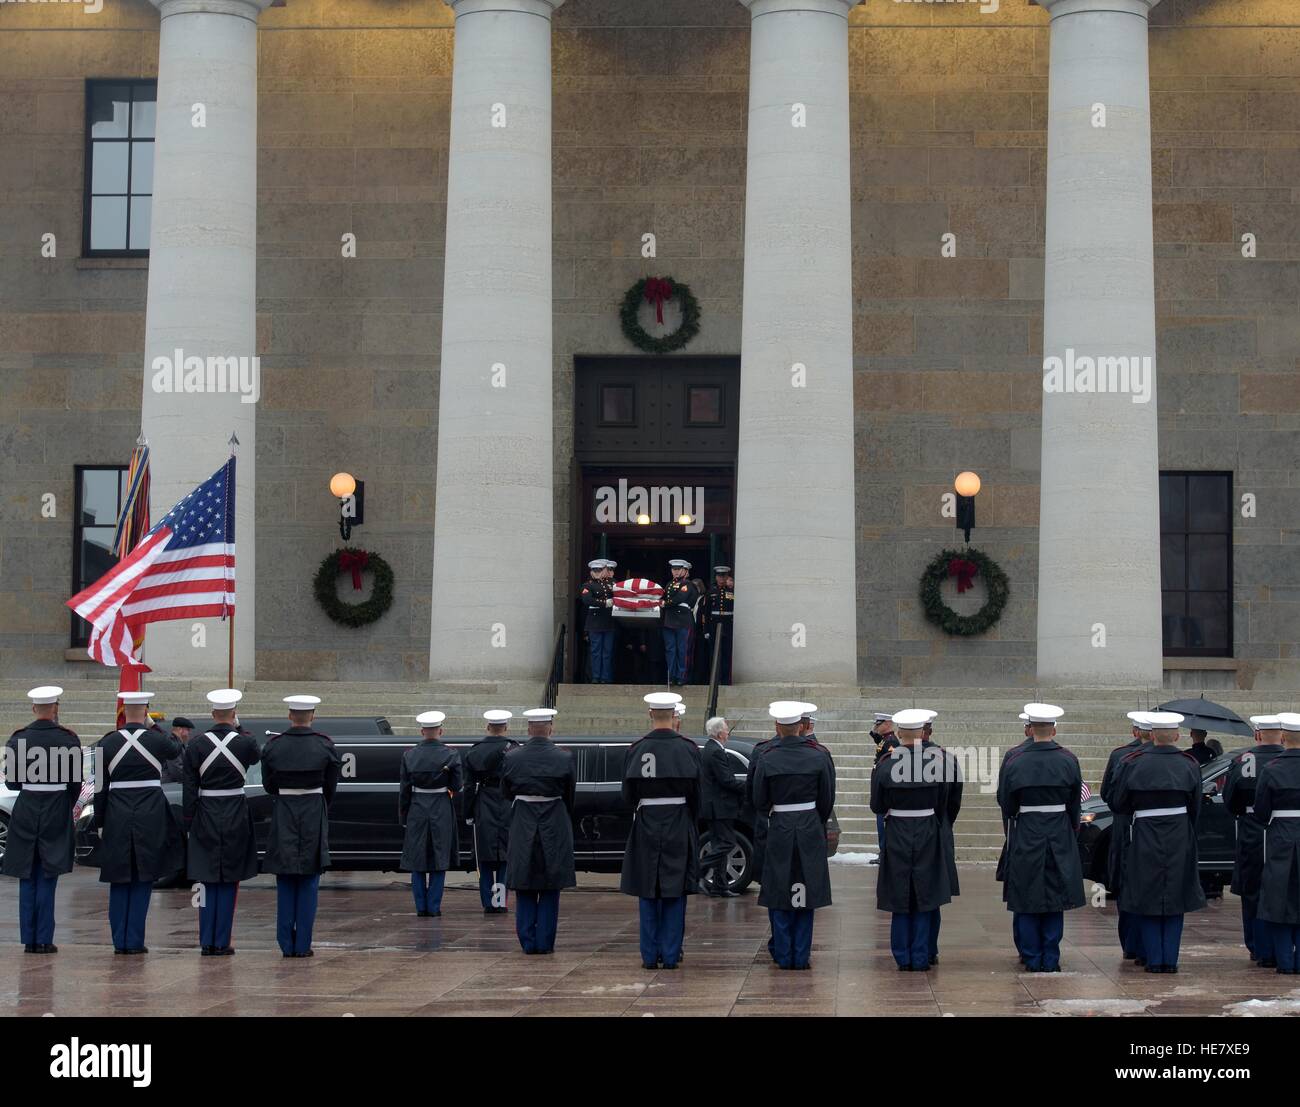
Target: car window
(615,760)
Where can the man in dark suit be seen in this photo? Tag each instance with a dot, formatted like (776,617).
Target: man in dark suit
(721,798)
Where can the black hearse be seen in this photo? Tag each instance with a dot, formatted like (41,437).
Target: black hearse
(365,833)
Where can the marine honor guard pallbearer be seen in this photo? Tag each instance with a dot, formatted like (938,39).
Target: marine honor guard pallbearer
(300,772)
(795,783)
(597,597)
(487,811)
(680,598)
(947,764)
(539,782)
(141,840)
(1158,799)
(661,862)
(43,764)
(1277,807)
(1040,793)
(429,778)
(222,848)
(721,799)
(1248,850)
(1130,939)
(719,613)
(913,878)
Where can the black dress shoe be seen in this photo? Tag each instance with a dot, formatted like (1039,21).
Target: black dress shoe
(651,968)
(121,951)
(206,951)
(935,959)
(223,951)
(434,914)
(1268,963)
(33,949)
(1170,968)
(49,947)
(904,968)
(1155,968)
(670,967)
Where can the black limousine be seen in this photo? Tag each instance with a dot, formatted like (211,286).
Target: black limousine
(365,833)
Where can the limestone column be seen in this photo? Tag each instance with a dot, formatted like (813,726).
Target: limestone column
(1099,599)
(202,297)
(493,543)
(794,499)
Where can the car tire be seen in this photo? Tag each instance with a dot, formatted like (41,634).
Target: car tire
(740,866)
(4,834)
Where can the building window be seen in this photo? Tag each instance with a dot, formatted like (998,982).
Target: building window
(100,492)
(703,405)
(1196,563)
(617,405)
(119,168)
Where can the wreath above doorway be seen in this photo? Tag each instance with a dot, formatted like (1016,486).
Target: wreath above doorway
(658,291)
(355,562)
(964,566)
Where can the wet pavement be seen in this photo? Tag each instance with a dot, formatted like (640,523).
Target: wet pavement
(375,957)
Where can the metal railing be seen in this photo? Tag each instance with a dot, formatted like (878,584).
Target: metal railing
(557,670)
(714,665)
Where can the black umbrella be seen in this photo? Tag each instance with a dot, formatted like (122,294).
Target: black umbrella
(1203,714)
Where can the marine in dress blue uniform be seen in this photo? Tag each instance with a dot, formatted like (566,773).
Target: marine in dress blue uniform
(539,783)
(429,778)
(487,810)
(300,771)
(1248,835)
(141,841)
(597,597)
(1000,873)
(882,734)
(43,763)
(221,846)
(1277,806)
(718,617)
(951,809)
(680,598)
(1129,937)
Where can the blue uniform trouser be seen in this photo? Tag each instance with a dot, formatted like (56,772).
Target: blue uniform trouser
(792,933)
(537,917)
(1161,936)
(36,907)
(1258,934)
(427,889)
(295,911)
(880,837)
(909,938)
(602,656)
(487,879)
(1285,939)
(1040,939)
(663,926)
(935,922)
(675,642)
(1130,934)
(1017,932)
(128,907)
(217,914)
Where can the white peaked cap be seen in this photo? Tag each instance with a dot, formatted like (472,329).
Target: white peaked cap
(610,564)
(930,715)
(1043,712)
(302,703)
(497,715)
(46,693)
(679,563)
(662,701)
(914,718)
(431,718)
(1290,721)
(883,716)
(809,711)
(679,709)
(599,563)
(1266,722)
(1140,719)
(786,711)
(135,697)
(223,699)
(540,714)
(1023,717)
(1164,720)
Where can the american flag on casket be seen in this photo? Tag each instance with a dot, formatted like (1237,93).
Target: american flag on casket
(637,598)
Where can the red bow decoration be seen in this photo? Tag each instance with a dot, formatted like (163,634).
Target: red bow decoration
(356,561)
(657,291)
(963,570)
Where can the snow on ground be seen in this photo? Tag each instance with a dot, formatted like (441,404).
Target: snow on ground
(1106,1007)
(853,858)
(1253,1008)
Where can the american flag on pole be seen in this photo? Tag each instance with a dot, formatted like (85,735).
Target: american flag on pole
(132,526)
(184,568)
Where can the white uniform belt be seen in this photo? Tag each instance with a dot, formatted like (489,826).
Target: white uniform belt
(44,787)
(430,790)
(221,792)
(660,801)
(910,812)
(134,784)
(1155,812)
(1044,809)
(537,799)
(302,791)
(1288,814)
(809,806)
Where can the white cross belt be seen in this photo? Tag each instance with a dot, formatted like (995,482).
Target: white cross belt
(777,807)
(218,792)
(1155,812)
(1044,809)
(1288,814)
(910,812)
(661,801)
(302,791)
(44,787)
(134,784)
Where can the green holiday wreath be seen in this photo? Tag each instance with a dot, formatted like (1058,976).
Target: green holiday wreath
(964,565)
(657,291)
(354,561)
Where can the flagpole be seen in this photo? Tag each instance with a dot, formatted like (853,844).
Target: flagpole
(230,641)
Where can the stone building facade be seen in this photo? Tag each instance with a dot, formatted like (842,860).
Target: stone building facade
(651,115)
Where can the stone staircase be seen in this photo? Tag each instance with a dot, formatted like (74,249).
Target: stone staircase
(979,723)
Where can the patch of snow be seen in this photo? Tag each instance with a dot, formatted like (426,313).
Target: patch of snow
(1107,1007)
(853,858)
(1253,1008)
(614,989)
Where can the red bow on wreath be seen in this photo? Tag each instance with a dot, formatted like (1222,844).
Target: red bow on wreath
(963,570)
(657,291)
(356,561)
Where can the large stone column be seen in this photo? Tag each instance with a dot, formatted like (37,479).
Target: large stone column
(493,543)
(794,500)
(202,296)
(1099,531)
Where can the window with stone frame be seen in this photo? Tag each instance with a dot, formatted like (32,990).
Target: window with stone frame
(120,123)
(100,490)
(1196,513)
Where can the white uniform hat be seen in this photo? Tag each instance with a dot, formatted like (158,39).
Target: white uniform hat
(135,697)
(498,716)
(223,699)
(679,709)
(930,715)
(1266,722)
(1164,720)
(540,714)
(599,563)
(679,563)
(610,564)
(914,718)
(302,703)
(809,711)
(1043,712)
(883,716)
(46,693)
(1140,719)
(786,711)
(1023,717)
(662,701)
(723,569)
(431,718)
(1289,720)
